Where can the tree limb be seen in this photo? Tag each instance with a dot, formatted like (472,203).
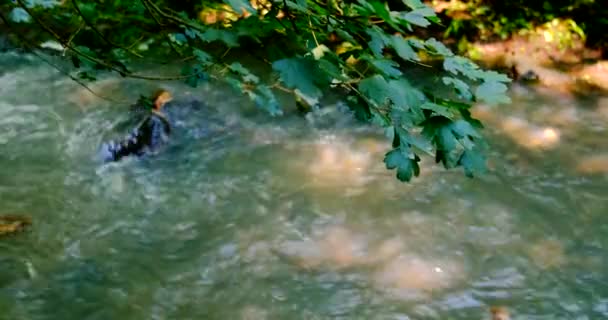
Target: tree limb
(93,59)
(293,23)
(160,24)
(90,25)
(171,17)
(56,67)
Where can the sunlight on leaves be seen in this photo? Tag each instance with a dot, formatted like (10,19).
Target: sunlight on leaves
(299,73)
(492,93)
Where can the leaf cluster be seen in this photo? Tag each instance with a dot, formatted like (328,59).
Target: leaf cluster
(363,48)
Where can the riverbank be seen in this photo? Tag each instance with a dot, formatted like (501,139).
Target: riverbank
(549,50)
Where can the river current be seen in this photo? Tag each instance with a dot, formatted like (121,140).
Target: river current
(294,217)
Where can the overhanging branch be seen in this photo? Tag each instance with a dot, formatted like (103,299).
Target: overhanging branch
(103,63)
(110,42)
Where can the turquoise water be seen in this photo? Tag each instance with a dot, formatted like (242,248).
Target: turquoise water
(291,217)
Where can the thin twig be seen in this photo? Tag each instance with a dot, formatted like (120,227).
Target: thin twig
(90,25)
(135,42)
(47,61)
(76,32)
(293,23)
(171,17)
(225,53)
(277,85)
(312,31)
(145,3)
(280,22)
(74,35)
(96,60)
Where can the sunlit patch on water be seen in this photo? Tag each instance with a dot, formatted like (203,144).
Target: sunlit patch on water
(393,267)
(254,313)
(414,275)
(521,131)
(547,253)
(336,162)
(593,164)
(335,247)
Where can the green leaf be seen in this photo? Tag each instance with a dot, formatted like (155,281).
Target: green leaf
(491,75)
(46,4)
(299,5)
(19,15)
(178,38)
(419,142)
(190,33)
(375,88)
(403,95)
(202,57)
(416,43)
(379,119)
(266,100)
(196,73)
(446,139)
(403,48)
(240,5)
(378,41)
(360,109)
(247,76)
(235,84)
(462,65)
(401,118)
(414,4)
(299,73)
(387,67)
(438,47)
(417,115)
(406,164)
(464,129)
(227,37)
(492,93)
(462,89)
(472,161)
(418,16)
(466,115)
(345,35)
(332,69)
(398,91)
(380,9)
(437,109)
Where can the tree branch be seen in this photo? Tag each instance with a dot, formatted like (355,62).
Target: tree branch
(45,60)
(172,17)
(160,24)
(93,59)
(293,23)
(90,25)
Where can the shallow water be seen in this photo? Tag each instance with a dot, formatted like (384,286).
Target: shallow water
(292,218)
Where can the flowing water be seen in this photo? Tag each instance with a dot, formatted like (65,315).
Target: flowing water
(292,217)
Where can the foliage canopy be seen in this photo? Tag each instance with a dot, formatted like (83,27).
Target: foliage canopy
(362,48)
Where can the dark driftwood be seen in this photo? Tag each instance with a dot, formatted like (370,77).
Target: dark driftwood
(10,224)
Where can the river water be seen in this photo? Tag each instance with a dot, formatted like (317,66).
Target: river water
(292,217)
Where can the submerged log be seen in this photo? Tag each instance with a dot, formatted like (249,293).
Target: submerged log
(10,224)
